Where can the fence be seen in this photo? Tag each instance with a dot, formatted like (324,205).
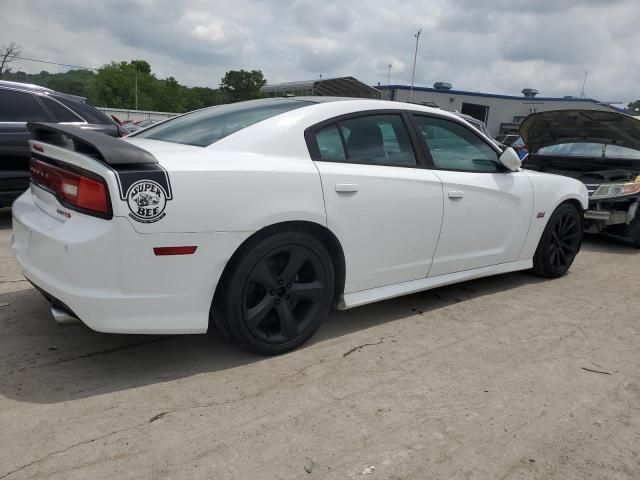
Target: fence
(125,114)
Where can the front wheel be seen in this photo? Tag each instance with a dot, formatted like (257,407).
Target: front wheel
(278,293)
(560,242)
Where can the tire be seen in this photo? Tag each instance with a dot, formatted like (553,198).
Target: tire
(633,231)
(560,242)
(277,294)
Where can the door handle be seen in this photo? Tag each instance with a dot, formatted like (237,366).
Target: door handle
(346,187)
(456,194)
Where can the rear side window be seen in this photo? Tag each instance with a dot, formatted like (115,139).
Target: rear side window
(378,139)
(20,107)
(207,126)
(60,113)
(86,111)
(454,147)
(330,143)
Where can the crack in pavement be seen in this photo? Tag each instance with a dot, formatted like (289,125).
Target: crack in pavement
(64,450)
(360,347)
(91,354)
(161,415)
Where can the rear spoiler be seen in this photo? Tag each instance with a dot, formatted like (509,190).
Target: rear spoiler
(104,148)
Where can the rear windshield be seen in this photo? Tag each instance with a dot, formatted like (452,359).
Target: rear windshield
(204,127)
(598,150)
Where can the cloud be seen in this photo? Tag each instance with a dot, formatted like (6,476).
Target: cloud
(498,46)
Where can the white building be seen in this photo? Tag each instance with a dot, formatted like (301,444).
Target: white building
(501,113)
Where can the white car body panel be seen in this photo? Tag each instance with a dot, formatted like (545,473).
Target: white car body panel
(357,299)
(549,191)
(400,232)
(496,207)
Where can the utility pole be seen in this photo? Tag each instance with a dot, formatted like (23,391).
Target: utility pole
(584,82)
(389,82)
(415,57)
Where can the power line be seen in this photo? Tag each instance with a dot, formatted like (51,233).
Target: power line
(55,63)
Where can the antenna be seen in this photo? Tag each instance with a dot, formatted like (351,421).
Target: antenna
(415,56)
(584,82)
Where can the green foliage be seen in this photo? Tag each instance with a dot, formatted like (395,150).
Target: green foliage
(634,107)
(241,85)
(114,85)
(75,82)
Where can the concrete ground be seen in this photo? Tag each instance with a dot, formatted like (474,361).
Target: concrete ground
(508,377)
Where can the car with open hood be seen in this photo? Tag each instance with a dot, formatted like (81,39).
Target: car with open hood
(602,150)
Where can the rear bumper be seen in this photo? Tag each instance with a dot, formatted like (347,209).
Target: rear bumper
(108,276)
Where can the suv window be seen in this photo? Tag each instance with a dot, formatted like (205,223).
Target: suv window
(455,147)
(204,127)
(60,113)
(20,107)
(378,139)
(86,111)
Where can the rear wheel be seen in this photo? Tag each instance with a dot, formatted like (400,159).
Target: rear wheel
(277,294)
(560,242)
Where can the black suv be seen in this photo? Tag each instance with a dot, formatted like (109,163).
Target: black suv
(21,103)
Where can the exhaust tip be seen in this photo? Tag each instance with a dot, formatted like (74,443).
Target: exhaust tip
(62,317)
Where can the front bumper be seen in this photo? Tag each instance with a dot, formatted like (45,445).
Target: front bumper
(108,275)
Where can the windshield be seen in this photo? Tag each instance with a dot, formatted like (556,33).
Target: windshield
(599,150)
(204,127)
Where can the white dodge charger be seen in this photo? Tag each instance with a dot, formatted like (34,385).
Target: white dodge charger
(259,217)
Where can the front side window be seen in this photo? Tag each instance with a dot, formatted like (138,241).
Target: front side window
(204,127)
(454,147)
(378,139)
(20,107)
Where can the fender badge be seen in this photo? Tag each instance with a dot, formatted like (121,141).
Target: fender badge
(146,200)
(541,214)
(63,213)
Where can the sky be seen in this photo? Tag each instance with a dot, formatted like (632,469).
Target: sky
(494,46)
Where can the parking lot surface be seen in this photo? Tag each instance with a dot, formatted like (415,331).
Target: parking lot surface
(504,377)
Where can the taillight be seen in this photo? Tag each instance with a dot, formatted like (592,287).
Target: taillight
(73,189)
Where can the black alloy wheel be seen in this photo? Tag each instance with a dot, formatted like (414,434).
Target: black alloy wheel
(565,241)
(277,293)
(560,242)
(283,294)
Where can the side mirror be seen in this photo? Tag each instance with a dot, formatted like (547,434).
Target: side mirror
(510,160)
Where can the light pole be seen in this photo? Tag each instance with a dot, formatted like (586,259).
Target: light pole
(584,82)
(136,91)
(415,57)
(388,82)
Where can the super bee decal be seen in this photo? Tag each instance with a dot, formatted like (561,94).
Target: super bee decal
(146,189)
(146,200)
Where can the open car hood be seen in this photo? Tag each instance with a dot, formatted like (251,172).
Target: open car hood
(579,126)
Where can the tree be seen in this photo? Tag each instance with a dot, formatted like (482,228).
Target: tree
(118,83)
(241,85)
(634,107)
(8,54)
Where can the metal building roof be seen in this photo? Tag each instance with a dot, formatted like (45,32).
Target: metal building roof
(334,87)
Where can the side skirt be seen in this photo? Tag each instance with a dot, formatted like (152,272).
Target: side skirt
(355,299)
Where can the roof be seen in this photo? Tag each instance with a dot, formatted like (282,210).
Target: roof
(24,86)
(337,87)
(495,95)
(31,88)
